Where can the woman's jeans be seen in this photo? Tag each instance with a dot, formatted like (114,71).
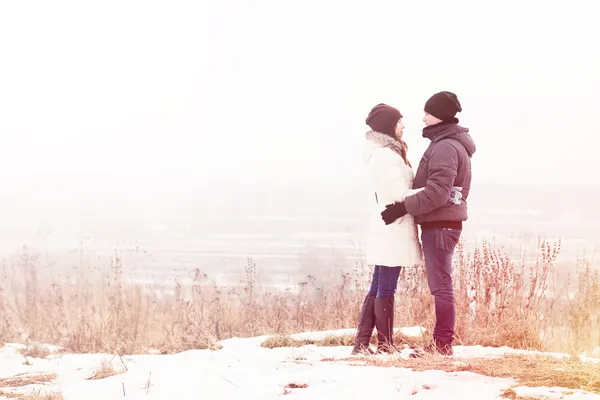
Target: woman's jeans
(384,282)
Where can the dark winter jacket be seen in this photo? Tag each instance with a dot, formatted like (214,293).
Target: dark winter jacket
(445,164)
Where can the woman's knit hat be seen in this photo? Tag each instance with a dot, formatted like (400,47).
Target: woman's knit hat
(384,118)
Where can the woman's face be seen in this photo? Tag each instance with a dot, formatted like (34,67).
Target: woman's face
(399,130)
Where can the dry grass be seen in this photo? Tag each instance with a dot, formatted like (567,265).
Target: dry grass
(44,396)
(512,395)
(341,340)
(21,380)
(32,396)
(10,395)
(35,351)
(287,389)
(105,370)
(26,379)
(529,370)
(296,385)
(500,301)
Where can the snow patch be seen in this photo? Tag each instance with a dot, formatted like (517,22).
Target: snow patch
(242,368)
(554,393)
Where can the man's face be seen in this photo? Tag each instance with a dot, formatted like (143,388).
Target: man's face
(430,119)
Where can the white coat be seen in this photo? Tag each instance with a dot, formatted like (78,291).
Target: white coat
(391,179)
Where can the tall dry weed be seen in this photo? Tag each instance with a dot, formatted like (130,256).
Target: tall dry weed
(500,301)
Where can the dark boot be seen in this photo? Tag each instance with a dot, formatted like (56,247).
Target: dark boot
(366,323)
(436,347)
(384,322)
(442,348)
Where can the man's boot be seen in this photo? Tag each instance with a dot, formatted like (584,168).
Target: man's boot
(384,322)
(435,347)
(366,324)
(439,347)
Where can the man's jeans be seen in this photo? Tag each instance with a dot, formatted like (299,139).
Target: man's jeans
(384,282)
(438,249)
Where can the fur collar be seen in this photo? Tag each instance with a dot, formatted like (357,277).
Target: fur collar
(384,140)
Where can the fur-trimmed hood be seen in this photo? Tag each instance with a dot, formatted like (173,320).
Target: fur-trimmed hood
(376,140)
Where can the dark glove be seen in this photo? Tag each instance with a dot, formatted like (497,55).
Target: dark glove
(393,211)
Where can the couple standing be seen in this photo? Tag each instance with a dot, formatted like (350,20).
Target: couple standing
(435,198)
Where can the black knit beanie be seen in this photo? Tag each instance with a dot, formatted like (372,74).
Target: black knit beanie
(384,118)
(443,105)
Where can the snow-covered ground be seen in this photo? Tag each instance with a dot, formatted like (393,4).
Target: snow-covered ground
(243,369)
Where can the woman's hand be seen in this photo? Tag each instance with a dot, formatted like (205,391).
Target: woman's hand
(393,211)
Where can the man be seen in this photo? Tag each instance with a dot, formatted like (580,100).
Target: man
(440,209)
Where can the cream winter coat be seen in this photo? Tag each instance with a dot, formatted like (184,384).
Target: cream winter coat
(397,244)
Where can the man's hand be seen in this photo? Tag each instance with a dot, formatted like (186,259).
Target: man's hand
(393,211)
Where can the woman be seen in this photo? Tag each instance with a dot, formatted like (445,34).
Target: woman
(389,247)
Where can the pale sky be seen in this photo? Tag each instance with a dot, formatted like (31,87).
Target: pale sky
(280,90)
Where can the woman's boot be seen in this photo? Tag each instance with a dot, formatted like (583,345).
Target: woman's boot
(366,323)
(384,322)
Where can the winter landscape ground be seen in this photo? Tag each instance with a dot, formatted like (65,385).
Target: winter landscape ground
(523,332)
(249,369)
(181,312)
